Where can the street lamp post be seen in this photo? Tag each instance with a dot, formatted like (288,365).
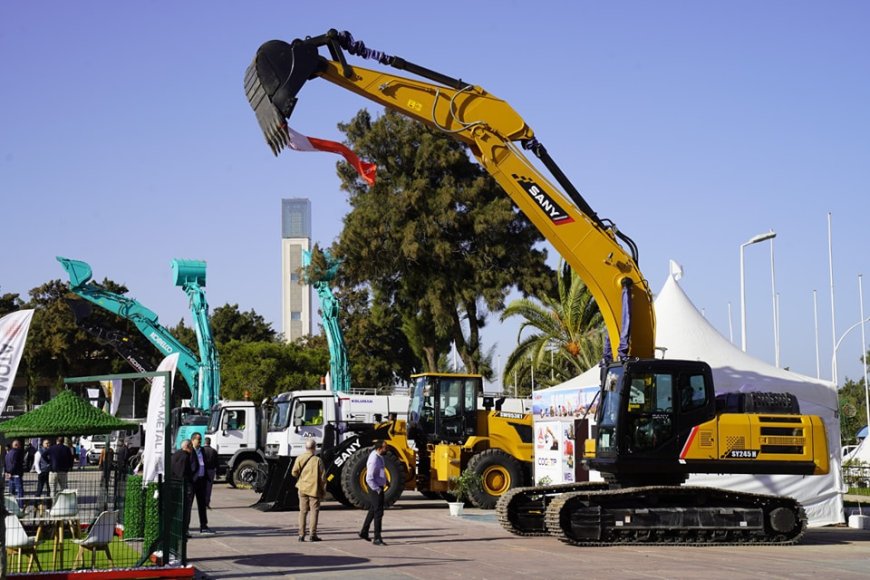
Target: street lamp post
(754,240)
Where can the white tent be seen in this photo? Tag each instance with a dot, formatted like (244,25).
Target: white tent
(686,334)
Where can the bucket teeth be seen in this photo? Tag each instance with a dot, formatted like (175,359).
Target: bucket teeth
(271,121)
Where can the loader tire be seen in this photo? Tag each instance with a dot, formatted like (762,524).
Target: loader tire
(499,472)
(353,479)
(338,494)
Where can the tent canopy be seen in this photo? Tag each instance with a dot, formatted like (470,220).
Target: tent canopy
(66,414)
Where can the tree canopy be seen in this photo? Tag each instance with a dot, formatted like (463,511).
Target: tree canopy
(567,333)
(435,241)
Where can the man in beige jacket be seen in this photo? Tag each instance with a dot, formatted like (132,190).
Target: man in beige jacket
(311,484)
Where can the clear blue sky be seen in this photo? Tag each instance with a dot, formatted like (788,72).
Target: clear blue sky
(126,141)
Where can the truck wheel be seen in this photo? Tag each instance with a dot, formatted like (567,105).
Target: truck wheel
(499,472)
(353,479)
(244,474)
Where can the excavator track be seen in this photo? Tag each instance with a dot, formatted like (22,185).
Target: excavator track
(699,516)
(522,510)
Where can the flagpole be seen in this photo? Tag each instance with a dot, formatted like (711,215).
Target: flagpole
(816,325)
(834,373)
(864,347)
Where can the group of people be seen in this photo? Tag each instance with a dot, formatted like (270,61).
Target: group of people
(310,478)
(196,466)
(52,463)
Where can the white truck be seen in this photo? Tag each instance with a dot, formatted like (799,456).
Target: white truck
(245,438)
(299,415)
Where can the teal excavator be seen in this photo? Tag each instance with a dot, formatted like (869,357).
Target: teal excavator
(201,374)
(330,307)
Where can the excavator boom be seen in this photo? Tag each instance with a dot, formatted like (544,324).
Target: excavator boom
(496,134)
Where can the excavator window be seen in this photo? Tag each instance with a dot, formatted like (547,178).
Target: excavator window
(693,393)
(650,411)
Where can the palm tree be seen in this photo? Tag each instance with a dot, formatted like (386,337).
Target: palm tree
(569,337)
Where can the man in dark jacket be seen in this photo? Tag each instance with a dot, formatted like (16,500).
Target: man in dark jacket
(210,456)
(15,470)
(182,471)
(60,461)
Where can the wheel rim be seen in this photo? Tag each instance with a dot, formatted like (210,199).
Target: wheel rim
(362,479)
(496,480)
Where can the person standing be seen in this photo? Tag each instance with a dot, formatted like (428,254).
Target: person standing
(182,470)
(311,485)
(120,466)
(210,456)
(41,465)
(200,483)
(376,479)
(60,461)
(15,470)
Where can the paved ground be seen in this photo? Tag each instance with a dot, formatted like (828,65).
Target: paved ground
(424,542)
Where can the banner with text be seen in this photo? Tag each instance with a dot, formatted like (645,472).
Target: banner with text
(13,334)
(153,457)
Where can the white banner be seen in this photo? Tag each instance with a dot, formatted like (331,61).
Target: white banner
(155,422)
(13,334)
(112,389)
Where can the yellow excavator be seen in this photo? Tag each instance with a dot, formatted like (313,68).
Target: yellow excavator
(657,420)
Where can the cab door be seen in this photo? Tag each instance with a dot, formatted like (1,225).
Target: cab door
(307,421)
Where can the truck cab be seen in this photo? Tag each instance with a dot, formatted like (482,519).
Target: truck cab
(235,429)
(297,416)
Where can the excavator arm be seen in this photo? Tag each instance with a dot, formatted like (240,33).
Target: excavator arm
(145,320)
(190,275)
(496,136)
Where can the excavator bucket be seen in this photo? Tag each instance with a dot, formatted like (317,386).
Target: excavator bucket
(188,272)
(272,82)
(79,272)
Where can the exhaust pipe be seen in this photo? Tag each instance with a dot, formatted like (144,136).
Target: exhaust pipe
(272,82)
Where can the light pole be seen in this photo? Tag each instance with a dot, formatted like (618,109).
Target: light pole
(754,240)
(837,346)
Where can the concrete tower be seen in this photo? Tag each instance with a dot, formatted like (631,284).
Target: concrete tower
(295,295)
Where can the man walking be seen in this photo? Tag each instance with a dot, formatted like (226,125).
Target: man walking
(311,485)
(376,479)
(41,465)
(209,454)
(182,470)
(60,461)
(200,483)
(15,470)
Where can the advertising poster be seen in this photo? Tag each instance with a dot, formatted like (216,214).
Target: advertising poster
(548,452)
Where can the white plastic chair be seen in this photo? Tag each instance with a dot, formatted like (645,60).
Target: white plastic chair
(65,510)
(100,535)
(11,505)
(17,539)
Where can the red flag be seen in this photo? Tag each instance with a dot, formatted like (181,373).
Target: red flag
(300,142)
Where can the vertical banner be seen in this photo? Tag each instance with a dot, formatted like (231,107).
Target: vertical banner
(13,334)
(155,422)
(112,390)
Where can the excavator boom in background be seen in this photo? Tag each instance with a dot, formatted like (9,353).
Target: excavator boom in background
(657,420)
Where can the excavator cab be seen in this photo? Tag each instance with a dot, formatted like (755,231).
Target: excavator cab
(647,412)
(444,407)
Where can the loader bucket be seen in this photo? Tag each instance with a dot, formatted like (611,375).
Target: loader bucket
(79,272)
(272,82)
(279,493)
(188,272)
